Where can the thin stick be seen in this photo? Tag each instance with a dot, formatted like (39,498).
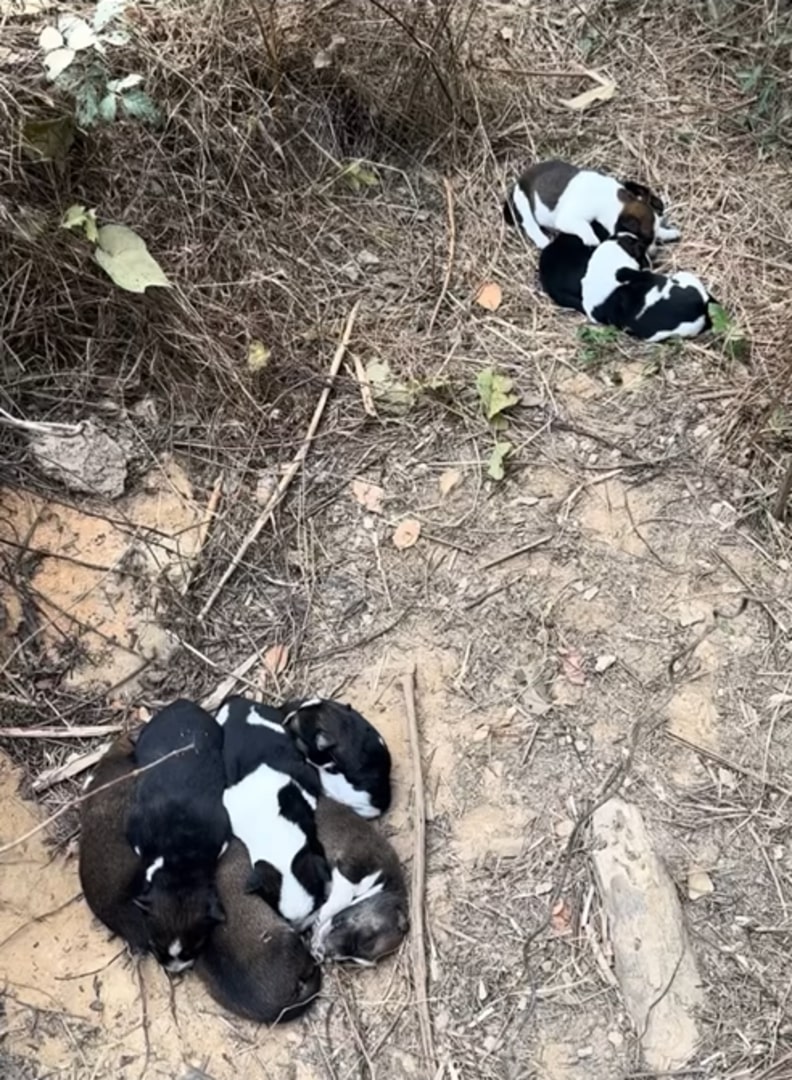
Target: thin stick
(224,688)
(727,763)
(89,795)
(40,427)
(60,733)
(420,973)
(519,551)
(203,532)
(69,769)
(369,408)
(277,496)
(451,247)
(779,506)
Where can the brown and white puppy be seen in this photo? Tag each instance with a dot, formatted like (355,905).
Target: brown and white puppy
(559,196)
(116,882)
(365,915)
(255,964)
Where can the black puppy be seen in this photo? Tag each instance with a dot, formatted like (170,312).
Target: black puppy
(177,824)
(113,877)
(353,761)
(271,799)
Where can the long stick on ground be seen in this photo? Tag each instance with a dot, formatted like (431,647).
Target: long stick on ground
(450,259)
(277,496)
(420,973)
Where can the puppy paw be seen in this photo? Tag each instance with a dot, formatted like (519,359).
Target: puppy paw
(668,235)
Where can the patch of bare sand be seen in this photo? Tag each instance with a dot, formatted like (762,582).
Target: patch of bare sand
(612,514)
(104,579)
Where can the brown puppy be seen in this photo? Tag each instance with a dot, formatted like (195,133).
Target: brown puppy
(365,915)
(114,879)
(255,964)
(559,196)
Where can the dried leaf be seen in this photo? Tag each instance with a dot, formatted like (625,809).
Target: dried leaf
(49,140)
(276,659)
(449,479)
(386,389)
(561,919)
(496,468)
(496,392)
(258,356)
(699,884)
(574,670)
(124,257)
(489,296)
(604,91)
(406,533)
(368,495)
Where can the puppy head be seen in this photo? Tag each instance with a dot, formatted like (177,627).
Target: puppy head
(644,194)
(337,739)
(635,246)
(179,920)
(638,219)
(366,931)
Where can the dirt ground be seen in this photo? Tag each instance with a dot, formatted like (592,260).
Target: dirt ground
(615,615)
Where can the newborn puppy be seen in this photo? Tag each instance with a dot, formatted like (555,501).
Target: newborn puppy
(353,761)
(255,964)
(664,306)
(365,915)
(173,926)
(563,265)
(179,827)
(111,874)
(271,799)
(557,195)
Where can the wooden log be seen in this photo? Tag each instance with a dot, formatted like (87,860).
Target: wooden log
(654,964)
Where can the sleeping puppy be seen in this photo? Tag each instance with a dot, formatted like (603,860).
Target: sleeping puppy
(365,915)
(172,925)
(255,964)
(353,761)
(663,306)
(178,826)
(559,196)
(271,800)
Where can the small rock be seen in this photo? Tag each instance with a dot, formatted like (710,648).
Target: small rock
(564,828)
(603,663)
(615,1038)
(585,1052)
(581,745)
(91,461)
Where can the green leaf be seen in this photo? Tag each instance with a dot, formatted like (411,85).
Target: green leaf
(124,257)
(106,11)
(386,389)
(495,465)
(139,106)
(719,318)
(48,140)
(86,101)
(358,177)
(77,217)
(496,392)
(107,108)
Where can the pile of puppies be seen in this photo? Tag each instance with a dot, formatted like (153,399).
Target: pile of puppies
(599,261)
(238,844)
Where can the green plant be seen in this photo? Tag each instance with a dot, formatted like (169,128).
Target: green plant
(733,342)
(497,394)
(595,345)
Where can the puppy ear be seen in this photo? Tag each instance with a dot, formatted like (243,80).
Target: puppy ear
(625,275)
(214,909)
(323,741)
(640,191)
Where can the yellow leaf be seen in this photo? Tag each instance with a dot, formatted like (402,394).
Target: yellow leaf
(406,533)
(368,495)
(448,480)
(124,257)
(489,296)
(258,356)
(604,91)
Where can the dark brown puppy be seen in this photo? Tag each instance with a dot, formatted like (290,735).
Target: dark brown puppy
(255,964)
(365,915)
(111,874)
(113,877)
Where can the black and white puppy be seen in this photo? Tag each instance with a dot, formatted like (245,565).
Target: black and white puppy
(351,756)
(178,826)
(172,924)
(365,916)
(559,196)
(271,799)
(255,964)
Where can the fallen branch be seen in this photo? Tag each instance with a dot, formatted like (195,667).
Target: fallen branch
(95,732)
(418,897)
(69,769)
(727,763)
(450,260)
(203,532)
(283,485)
(36,427)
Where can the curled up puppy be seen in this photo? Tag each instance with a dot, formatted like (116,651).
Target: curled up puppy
(179,828)
(271,800)
(353,761)
(255,964)
(559,196)
(365,916)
